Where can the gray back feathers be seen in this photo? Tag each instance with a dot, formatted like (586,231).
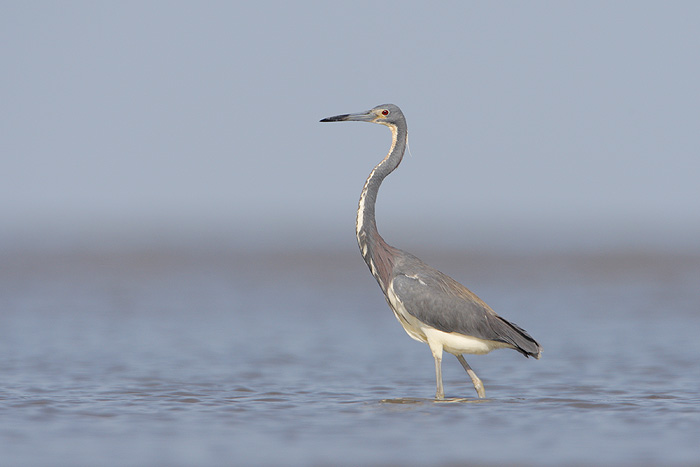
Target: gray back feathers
(439,301)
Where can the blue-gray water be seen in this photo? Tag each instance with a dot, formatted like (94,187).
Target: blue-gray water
(211,357)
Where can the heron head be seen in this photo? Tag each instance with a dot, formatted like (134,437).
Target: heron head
(386,114)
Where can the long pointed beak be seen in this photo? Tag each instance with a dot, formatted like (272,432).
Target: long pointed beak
(358,117)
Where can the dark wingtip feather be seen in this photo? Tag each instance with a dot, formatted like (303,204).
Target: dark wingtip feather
(522,341)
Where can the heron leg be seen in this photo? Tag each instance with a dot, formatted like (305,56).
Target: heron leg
(440,393)
(436,349)
(478,385)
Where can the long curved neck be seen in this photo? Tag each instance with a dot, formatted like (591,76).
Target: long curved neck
(372,246)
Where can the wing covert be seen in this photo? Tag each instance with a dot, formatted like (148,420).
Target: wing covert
(444,304)
(462,313)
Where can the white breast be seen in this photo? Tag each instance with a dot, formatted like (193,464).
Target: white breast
(411,325)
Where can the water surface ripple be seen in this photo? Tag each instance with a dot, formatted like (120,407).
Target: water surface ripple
(225,358)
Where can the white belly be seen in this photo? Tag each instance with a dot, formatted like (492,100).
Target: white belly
(457,344)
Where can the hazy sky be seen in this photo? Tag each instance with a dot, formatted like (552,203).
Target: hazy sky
(563,123)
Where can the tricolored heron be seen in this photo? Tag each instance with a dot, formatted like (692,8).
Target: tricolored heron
(431,306)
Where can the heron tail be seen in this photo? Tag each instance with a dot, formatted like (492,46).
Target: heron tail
(519,339)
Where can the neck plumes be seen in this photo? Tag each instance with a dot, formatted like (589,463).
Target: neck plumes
(375,251)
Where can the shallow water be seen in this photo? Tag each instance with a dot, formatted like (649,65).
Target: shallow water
(208,357)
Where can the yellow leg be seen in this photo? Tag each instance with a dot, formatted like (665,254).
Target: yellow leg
(436,349)
(478,385)
(440,393)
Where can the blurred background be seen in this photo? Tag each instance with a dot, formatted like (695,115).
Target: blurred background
(555,125)
(179,276)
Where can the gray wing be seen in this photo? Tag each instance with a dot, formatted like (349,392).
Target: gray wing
(443,303)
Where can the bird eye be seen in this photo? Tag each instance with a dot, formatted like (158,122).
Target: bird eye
(385,112)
